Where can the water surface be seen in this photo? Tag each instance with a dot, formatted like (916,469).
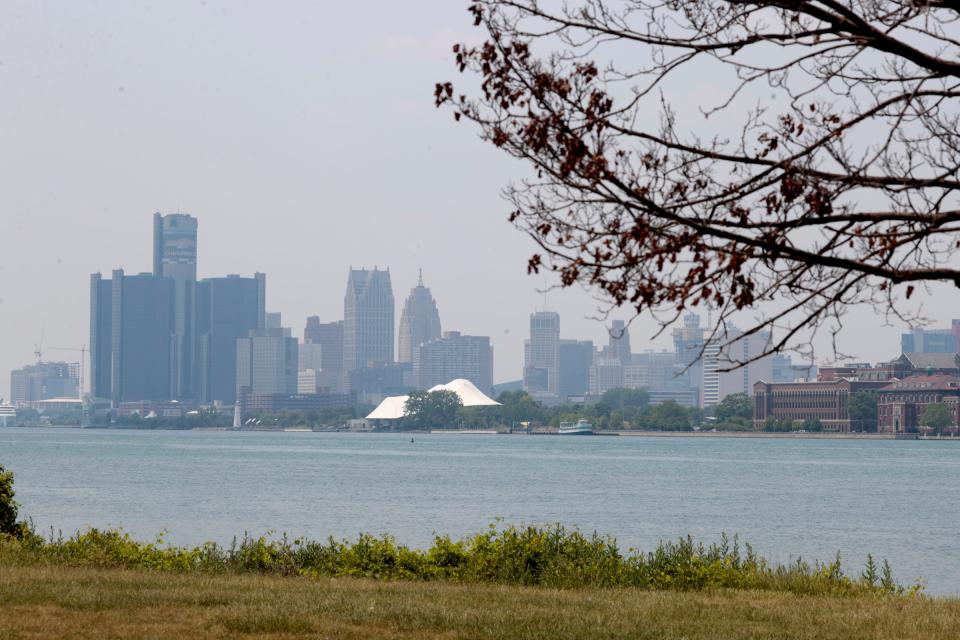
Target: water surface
(810,498)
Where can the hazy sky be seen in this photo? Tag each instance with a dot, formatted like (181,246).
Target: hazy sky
(304,138)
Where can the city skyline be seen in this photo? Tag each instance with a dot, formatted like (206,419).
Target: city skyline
(291,197)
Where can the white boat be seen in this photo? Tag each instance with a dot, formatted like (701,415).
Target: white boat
(580,428)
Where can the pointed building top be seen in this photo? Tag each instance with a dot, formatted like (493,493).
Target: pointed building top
(420,277)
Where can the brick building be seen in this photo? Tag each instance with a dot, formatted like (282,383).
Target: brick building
(825,401)
(901,403)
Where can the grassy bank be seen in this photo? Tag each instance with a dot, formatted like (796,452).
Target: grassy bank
(530,556)
(46,601)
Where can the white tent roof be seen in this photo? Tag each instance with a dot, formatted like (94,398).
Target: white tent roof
(468,392)
(392,408)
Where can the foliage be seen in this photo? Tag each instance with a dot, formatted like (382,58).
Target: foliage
(812,425)
(8,506)
(862,409)
(432,409)
(734,406)
(778,425)
(541,556)
(937,416)
(667,416)
(826,176)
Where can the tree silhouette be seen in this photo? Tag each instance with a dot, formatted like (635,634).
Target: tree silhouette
(799,155)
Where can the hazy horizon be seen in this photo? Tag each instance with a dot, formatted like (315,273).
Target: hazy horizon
(303,138)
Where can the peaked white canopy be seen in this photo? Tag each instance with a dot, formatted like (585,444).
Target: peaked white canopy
(392,408)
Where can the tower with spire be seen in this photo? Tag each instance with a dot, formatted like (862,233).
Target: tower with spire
(419,322)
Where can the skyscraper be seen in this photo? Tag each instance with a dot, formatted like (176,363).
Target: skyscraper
(718,383)
(101,336)
(454,356)
(329,336)
(227,309)
(43,381)
(141,328)
(175,257)
(541,373)
(576,358)
(419,322)
(619,342)
(267,362)
(368,312)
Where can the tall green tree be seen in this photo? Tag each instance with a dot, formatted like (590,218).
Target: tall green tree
(8,506)
(432,409)
(862,408)
(937,416)
(736,406)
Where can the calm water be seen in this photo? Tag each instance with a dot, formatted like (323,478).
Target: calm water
(812,498)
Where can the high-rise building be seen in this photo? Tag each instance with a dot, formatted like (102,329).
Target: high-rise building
(311,356)
(728,369)
(43,381)
(368,312)
(930,340)
(543,356)
(267,362)
(419,322)
(139,319)
(688,342)
(606,373)
(454,356)
(619,342)
(576,358)
(175,257)
(228,308)
(101,336)
(329,336)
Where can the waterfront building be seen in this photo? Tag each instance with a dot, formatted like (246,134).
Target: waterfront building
(419,322)
(541,370)
(175,257)
(901,403)
(576,358)
(267,362)
(370,385)
(368,313)
(249,402)
(228,309)
(454,356)
(44,381)
(329,336)
(101,336)
(137,313)
(826,401)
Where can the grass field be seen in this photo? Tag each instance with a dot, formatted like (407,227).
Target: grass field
(50,601)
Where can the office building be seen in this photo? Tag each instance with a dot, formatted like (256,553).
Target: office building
(137,313)
(606,373)
(618,345)
(267,362)
(44,381)
(825,401)
(368,320)
(175,257)
(576,358)
(688,344)
(454,356)
(329,336)
(419,322)
(228,309)
(931,340)
(541,371)
(727,367)
(310,356)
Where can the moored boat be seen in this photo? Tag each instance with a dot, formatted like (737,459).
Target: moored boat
(579,428)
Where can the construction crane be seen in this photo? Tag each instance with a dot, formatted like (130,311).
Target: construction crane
(83,361)
(38,346)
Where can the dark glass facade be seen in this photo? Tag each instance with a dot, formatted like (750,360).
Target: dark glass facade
(227,309)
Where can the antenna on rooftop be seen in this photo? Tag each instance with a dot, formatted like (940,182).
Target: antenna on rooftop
(420,277)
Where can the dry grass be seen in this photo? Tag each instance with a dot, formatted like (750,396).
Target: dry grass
(56,601)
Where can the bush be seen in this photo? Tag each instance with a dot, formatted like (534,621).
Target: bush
(537,556)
